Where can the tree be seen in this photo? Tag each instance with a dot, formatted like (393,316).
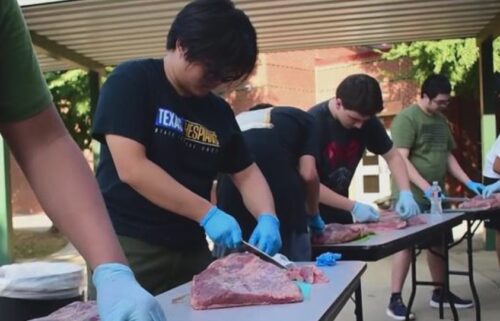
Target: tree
(70,91)
(456,58)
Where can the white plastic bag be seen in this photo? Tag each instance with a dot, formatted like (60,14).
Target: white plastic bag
(41,280)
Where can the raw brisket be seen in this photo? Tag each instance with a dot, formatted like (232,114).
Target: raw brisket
(76,311)
(482,203)
(242,279)
(339,233)
(342,233)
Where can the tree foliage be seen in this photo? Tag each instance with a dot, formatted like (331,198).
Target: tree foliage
(70,90)
(457,59)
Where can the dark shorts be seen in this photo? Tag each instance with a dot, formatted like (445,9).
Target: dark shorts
(493,222)
(159,269)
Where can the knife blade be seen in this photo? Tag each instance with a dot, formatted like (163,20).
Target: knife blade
(262,255)
(456,199)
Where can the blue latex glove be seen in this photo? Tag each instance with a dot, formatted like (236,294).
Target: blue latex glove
(316,224)
(428,193)
(490,189)
(328,259)
(475,187)
(406,205)
(120,297)
(364,213)
(222,228)
(266,235)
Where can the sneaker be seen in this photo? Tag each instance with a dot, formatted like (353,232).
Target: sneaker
(397,310)
(459,303)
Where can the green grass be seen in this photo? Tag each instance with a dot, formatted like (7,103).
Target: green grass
(35,245)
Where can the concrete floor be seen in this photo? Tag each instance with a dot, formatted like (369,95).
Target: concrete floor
(376,290)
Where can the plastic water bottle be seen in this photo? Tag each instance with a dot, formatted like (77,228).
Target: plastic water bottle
(436,206)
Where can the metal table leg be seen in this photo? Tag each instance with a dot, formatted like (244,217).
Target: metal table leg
(446,285)
(413,281)
(358,308)
(475,296)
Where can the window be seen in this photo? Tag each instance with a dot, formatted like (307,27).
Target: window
(371,184)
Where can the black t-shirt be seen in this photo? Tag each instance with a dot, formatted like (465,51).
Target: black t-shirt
(277,151)
(341,149)
(191,138)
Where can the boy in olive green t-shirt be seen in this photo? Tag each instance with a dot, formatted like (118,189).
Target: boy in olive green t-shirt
(421,134)
(430,141)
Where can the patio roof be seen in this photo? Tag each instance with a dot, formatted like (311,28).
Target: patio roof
(97,33)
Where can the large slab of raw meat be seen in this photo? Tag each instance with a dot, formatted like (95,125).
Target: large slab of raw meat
(343,233)
(242,279)
(76,311)
(339,233)
(482,203)
(390,221)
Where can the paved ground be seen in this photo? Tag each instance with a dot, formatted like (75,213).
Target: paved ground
(375,283)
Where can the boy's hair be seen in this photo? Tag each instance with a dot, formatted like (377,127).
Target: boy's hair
(361,93)
(435,85)
(217,35)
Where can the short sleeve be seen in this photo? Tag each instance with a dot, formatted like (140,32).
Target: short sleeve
(403,132)
(23,90)
(496,147)
(376,137)
(121,108)
(310,134)
(451,140)
(234,154)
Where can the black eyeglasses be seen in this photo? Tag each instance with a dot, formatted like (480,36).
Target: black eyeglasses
(443,102)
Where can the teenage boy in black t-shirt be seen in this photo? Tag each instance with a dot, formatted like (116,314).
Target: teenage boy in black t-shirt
(347,126)
(285,147)
(165,137)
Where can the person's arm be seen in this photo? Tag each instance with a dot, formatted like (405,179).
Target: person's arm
(333,199)
(259,201)
(456,170)
(398,168)
(309,174)
(415,176)
(64,184)
(496,165)
(254,190)
(151,181)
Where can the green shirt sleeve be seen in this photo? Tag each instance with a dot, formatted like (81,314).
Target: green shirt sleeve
(23,90)
(451,141)
(403,132)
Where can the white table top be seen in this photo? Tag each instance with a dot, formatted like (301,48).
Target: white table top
(176,302)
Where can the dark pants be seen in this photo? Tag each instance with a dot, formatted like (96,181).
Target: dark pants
(159,269)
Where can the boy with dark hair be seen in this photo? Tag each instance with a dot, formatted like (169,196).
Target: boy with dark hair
(347,126)
(424,139)
(285,149)
(165,137)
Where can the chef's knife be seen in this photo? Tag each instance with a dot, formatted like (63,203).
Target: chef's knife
(262,255)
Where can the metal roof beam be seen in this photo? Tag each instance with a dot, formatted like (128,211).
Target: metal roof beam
(491,29)
(57,51)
